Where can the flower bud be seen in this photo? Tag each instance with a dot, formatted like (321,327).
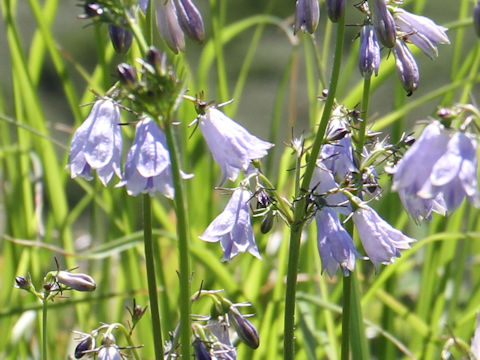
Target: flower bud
(369,57)
(22,283)
(244,328)
(92,9)
(407,67)
(158,60)
(335,9)
(83,346)
(190,20)
(476,18)
(121,38)
(263,199)
(169,26)
(307,16)
(79,282)
(128,76)
(383,23)
(267,223)
(201,352)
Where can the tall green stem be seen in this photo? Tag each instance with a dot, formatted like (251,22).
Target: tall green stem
(347,286)
(364,115)
(182,234)
(300,206)
(44,329)
(151,279)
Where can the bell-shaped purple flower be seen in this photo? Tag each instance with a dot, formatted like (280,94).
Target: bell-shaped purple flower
(381,241)
(454,174)
(221,347)
(335,244)
(190,20)
(407,68)
(169,26)
(231,145)
(421,31)
(109,353)
(335,9)
(414,169)
(307,16)
(147,168)
(383,23)
(369,57)
(233,228)
(97,143)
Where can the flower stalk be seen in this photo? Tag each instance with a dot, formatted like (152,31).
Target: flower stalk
(300,206)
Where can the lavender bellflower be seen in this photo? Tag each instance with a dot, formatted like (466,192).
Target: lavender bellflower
(384,23)
(232,227)
(231,145)
(407,68)
(381,241)
(369,57)
(307,15)
(169,26)
(97,143)
(414,169)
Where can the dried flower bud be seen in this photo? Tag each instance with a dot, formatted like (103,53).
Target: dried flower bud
(369,57)
(83,346)
(169,26)
(476,18)
(128,76)
(307,16)
(407,67)
(158,60)
(201,352)
(267,223)
(79,282)
(335,9)
(383,23)
(121,38)
(244,328)
(190,20)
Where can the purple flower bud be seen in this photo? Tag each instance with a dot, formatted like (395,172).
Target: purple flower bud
(476,18)
(383,23)
(335,9)
(158,60)
(407,68)
(190,20)
(128,76)
(169,26)
(244,328)
(22,283)
(201,352)
(307,16)
(267,223)
(121,38)
(421,31)
(369,57)
(79,282)
(84,346)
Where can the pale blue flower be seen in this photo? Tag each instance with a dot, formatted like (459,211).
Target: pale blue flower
(307,15)
(414,169)
(381,241)
(232,227)
(421,31)
(221,345)
(335,244)
(454,174)
(169,26)
(97,143)
(231,145)
(323,183)
(147,168)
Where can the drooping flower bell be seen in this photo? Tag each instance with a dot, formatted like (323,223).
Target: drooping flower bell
(169,26)
(307,15)
(76,281)
(97,143)
(407,68)
(381,241)
(421,31)
(190,20)
(232,147)
(246,331)
(233,228)
(147,168)
(369,57)
(414,169)
(383,23)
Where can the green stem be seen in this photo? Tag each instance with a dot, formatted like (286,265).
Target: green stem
(364,115)
(300,205)
(44,329)
(182,234)
(347,286)
(151,279)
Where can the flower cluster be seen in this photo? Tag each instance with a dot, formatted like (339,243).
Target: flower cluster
(394,28)
(437,172)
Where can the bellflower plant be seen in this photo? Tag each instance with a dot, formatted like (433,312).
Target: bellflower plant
(232,227)
(380,240)
(97,143)
(232,147)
